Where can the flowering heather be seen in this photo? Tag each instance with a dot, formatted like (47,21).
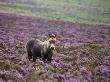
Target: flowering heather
(39,81)
(68,66)
(60,77)
(72,80)
(2,81)
(82,51)
(10,81)
(83,70)
(20,76)
(104,70)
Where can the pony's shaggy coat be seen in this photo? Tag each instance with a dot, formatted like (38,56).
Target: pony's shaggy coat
(38,49)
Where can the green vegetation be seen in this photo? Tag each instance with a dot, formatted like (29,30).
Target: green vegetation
(93,48)
(82,11)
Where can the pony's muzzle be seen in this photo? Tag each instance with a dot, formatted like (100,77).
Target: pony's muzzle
(52,48)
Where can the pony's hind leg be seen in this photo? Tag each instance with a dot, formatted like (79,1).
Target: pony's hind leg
(34,58)
(29,55)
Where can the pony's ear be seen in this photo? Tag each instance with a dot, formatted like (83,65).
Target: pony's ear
(55,35)
(49,35)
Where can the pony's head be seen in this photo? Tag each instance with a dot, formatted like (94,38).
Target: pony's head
(52,40)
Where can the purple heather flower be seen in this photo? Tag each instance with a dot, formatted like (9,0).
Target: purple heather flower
(30,68)
(2,81)
(19,75)
(104,70)
(68,65)
(106,60)
(72,80)
(49,81)
(61,55)
(59,76)
(56,64)
(66,44)
(72,40)
(39,81)
(25,72)
(10,81)
(48,73)
(83,70)
(68,74)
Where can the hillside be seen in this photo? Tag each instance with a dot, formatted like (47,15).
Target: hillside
(82,51)
(81,11)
